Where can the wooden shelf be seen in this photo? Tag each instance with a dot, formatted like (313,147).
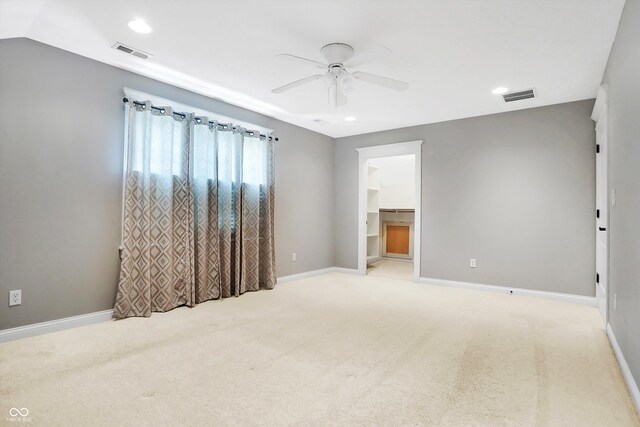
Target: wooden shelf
(372,235)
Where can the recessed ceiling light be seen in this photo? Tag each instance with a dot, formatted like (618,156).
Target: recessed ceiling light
(349,118)
(139,26)
(500,90)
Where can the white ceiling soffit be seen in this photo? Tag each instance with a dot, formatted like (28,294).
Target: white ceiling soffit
(453,53)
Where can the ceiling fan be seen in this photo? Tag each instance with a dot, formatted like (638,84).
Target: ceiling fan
(339,57)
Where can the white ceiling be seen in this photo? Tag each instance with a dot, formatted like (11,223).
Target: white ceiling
(396,170)
(451,52)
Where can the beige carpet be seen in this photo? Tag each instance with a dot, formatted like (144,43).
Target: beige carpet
(391,268)
(331,350)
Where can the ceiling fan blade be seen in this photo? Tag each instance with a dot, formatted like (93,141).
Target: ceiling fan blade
(381,81)
(297,83)
(368,55)
(337,97)
(301,60)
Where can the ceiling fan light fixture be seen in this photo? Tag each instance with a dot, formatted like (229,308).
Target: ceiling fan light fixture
(346,82)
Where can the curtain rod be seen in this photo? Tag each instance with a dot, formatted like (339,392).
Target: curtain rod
(199,120)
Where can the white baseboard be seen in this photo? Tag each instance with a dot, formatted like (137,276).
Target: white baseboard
(624,367)
(576,299)
(312,273)
(54,325)
(298,276)
(344,270)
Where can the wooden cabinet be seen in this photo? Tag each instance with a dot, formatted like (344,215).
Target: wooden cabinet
(397,240)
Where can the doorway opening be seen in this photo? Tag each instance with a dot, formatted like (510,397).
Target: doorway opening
(390,199)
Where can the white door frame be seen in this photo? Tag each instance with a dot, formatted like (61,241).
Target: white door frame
(600,116)
(389,150)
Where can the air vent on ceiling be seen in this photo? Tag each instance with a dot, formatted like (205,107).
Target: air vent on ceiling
(131,51)
(321,121)
(519,96)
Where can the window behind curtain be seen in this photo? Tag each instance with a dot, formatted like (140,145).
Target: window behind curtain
(164,158)
(164,154)
(254,161)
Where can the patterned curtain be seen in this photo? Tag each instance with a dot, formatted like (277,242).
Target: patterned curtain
(256,220)
(198,212)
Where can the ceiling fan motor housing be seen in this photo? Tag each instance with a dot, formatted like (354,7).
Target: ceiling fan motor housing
(337,53)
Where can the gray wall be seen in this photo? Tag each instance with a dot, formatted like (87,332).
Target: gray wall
(61,127)
(623,77)
(515,190)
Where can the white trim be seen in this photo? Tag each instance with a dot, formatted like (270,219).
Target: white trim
(600,116)
(601,102)
(388,150)
(576,299)
(624,368)
(344,270)
(139,95)
(312,273)
(304,275)
(54,325)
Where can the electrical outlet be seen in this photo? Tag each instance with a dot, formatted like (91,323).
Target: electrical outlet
(294,257)
(472,262)
(15,298)
(615,302)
